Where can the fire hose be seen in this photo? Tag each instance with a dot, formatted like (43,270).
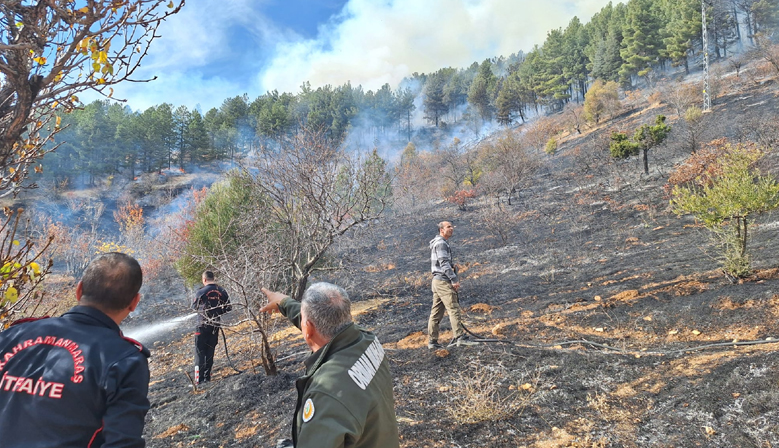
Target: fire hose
(479,338)
(227,353)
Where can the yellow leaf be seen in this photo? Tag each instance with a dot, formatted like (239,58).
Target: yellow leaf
(11,294)
(696,332)
(59,121)
(110,92)
(16,242)
(12,170)
(85,10)
(648,318)
(19,25)
(100,81)
(36,268)
(170,5)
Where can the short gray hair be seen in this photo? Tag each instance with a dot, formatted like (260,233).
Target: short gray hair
(328,307)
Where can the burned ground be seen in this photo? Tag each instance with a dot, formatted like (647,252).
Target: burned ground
(616,327)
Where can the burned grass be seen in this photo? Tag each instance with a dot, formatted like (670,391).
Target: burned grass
(615,326)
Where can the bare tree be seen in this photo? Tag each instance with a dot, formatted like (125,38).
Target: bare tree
(52,50)
(456,167)
(315,193)
(695,121)
(508,163)
(680,96)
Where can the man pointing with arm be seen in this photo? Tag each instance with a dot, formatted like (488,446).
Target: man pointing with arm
(345,396)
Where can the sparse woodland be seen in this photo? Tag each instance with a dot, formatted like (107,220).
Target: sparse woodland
(616,239)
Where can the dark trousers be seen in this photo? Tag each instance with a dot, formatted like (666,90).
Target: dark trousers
(206,338)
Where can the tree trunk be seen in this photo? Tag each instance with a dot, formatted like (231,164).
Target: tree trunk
(744,237)
(646,161)
(408,122)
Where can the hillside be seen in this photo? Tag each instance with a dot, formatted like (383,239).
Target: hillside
(616,328)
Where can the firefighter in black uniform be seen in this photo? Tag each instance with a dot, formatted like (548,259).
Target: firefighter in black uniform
(211,301)
(74,380)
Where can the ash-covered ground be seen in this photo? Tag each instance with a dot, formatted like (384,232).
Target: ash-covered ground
(616,326)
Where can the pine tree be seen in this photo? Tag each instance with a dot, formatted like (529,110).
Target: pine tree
(682,31)
(480,94)
(641,44)
(434,103)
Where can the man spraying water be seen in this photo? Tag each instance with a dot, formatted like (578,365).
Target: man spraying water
(211,301)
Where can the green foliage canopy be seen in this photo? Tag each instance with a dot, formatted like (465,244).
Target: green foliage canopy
(727,202)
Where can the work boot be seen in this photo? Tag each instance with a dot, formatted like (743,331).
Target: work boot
(434,345)
(463,341)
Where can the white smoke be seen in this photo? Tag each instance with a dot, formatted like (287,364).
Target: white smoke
(372,43)
(210,52)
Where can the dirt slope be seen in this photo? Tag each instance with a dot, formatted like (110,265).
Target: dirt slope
(606,307)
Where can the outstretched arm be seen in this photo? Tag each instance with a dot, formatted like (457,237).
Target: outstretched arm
(281,303)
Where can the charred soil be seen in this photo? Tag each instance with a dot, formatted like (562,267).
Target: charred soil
(616,327)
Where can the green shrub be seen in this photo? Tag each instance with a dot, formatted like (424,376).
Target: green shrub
(551,146)
(726,202)
(215,227)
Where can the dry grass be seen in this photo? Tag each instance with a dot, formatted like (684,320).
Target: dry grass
(482,396)
(380,267)
(172,431)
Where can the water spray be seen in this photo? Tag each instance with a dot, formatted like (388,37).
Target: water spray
(150,333)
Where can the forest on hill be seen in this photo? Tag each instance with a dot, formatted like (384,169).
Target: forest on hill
(615,239)
(617,316)
(632,44)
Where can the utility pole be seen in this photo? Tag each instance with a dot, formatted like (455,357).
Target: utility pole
(705,39)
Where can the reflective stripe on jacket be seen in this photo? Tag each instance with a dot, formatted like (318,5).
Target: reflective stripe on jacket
(72,381)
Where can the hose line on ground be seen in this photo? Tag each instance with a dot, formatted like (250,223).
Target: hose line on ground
(227,354)
(479,338)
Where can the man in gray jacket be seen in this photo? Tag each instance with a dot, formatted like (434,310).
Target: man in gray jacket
(445,286)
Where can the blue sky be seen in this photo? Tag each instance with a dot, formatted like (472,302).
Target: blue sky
(214,50)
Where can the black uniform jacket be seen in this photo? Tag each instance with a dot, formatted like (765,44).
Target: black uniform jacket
(72,381)
(211,301)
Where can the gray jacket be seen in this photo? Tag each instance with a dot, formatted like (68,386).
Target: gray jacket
(441,260)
